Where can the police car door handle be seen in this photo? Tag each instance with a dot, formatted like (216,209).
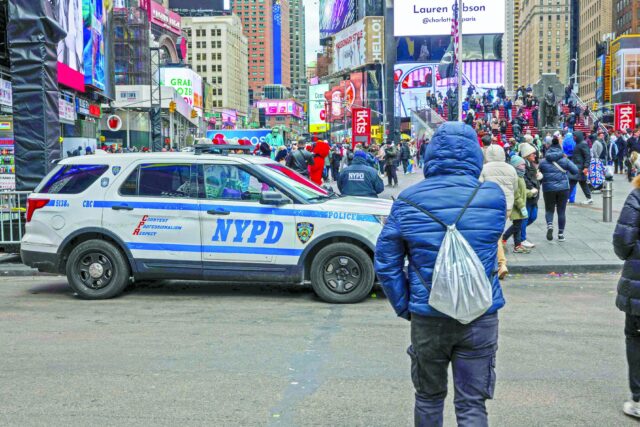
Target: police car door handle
(218,212)
(122,208)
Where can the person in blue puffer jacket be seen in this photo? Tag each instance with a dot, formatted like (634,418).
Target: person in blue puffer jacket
(555,169)
(453,162)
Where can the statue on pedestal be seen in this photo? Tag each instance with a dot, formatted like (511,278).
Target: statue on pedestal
(550,110)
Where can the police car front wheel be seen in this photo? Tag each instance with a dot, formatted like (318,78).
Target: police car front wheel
(96,269)
(342,273)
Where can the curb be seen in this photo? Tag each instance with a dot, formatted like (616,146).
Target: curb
(602,267)
(19,270)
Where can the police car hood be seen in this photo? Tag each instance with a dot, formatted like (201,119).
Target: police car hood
(361,205)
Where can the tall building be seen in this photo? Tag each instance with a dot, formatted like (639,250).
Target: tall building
(511,46)
(626,17)
(297,45)
(266,25)
(218,51)
(595,23)
(545,28)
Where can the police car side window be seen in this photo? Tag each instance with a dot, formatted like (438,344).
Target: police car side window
(158,180)
(229,182)
(72,179)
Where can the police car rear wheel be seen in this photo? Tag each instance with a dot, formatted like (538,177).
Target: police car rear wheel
(342,273)
(97,270)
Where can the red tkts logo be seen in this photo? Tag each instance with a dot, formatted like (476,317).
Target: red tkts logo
(144,219)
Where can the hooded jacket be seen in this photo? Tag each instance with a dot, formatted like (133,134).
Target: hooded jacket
(497,170)
(627,246)
(581,156)
(553,179)
(360,179)
(453,165)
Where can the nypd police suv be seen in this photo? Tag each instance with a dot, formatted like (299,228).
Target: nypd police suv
(103,219)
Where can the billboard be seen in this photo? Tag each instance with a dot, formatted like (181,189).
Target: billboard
(279,107)
(347,95)
(277,42)
(317,112)
(336,15)
(415,80)
(163,17)
(360,44)
(94,21)
(256,136)
(200,6)
(70,49)
(625,116)
(186,82)
(433,18)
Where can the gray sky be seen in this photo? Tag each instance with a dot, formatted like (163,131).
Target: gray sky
(312,32)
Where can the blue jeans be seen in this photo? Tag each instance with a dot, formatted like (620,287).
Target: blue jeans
(572,195)
(532,209)
(471,349)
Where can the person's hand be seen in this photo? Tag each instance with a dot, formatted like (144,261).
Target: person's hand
(534,191)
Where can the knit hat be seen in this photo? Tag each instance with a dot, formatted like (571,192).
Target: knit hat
(526,150)
(360,153)
(528,138)
(516,161)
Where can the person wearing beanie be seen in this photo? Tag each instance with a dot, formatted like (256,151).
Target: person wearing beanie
(359,178)
(555,169)
(497,170)
(532,179)
(519,210)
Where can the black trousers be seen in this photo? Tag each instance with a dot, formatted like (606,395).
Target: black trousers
(436,343)
(516,231)
(405,165)
(583,185)
(618,164)
(335,171)
(556,200)
(392,173)
(632,334)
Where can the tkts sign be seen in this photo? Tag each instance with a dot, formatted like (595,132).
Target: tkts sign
(625,117)
(361,126)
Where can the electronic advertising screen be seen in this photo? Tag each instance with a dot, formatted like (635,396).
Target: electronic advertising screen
(70,49)
(200,6)
(433,18)
(93,15)
(336,15)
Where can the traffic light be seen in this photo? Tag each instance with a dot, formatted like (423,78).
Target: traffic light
(172,107)
(194,114)
(594,107)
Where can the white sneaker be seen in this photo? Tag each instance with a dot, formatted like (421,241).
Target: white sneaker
(587,202)
(527,244)
(632,408)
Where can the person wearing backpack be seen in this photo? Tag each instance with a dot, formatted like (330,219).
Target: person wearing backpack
(555,169)
(451,194)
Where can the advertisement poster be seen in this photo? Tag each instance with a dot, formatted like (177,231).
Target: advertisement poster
(281,108)
(361,126)
(433,18)
(317,112)
(186,82)
(70,49)
(277,43)
(336,15)
(360,44)
(232,136)
(347,95)
(625,116)
(93,17)
(6,95)
(67,111)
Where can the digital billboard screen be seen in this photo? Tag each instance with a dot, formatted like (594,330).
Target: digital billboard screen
(70,49)
(336,15)
(433,18)
(93,36)
(202,6)
(317,105)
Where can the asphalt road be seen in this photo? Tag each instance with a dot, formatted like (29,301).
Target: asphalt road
(202,354)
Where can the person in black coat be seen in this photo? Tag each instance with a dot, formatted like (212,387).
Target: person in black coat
(405,156)
(627,246)
(360,179)
(581,158)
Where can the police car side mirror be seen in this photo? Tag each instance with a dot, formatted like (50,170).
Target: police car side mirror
(273,198)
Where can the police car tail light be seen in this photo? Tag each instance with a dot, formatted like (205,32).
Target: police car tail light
(33,205)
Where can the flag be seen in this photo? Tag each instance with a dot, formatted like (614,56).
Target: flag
(449,62)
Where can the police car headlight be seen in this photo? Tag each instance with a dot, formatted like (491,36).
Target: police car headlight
(382,219)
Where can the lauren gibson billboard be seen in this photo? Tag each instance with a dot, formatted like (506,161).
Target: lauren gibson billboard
(433,18)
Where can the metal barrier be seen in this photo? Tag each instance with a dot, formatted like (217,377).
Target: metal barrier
(12,219)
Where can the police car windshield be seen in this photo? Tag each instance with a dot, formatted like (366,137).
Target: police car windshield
(299,187)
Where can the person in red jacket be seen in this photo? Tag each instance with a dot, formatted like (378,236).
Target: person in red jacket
(320,151)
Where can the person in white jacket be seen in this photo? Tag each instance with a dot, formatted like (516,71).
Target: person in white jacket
(497,170)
